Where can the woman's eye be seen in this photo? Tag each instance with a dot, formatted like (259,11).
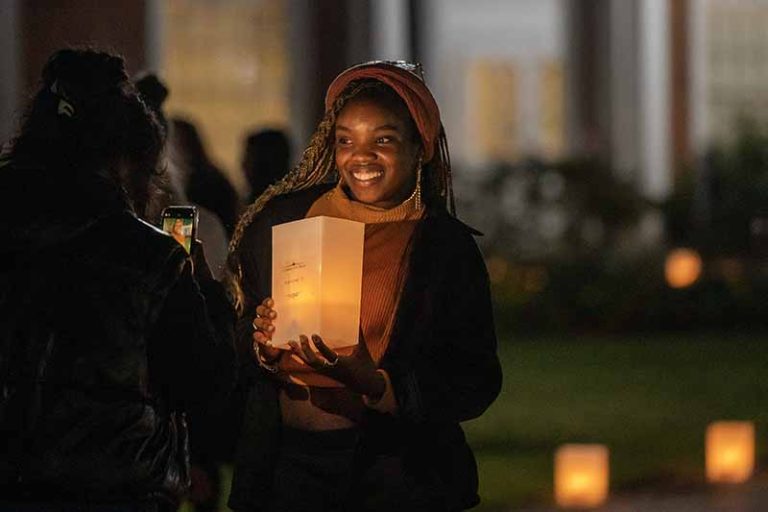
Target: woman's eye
(341,141)
(384,140)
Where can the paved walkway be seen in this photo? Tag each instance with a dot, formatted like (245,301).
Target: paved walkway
(750,497)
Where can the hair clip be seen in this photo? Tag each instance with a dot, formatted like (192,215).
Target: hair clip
(65,108)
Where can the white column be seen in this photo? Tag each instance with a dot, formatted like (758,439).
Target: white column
(154,34)
(9,69)
(389,30)
(698,71)
(302,72)
(625,71)
(359,30)
(655,159)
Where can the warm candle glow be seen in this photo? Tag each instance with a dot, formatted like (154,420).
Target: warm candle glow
(317,269)
(682,268)
(581,475)
(730,451)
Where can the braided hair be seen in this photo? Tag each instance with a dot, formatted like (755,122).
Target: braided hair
(317,165)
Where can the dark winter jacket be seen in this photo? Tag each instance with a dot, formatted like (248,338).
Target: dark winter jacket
(441,359)
(106,339)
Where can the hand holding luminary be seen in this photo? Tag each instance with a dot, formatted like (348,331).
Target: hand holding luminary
(356,371)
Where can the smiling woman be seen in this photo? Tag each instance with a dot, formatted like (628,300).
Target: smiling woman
(375,426)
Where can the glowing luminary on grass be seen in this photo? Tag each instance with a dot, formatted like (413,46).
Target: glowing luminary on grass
(317,268)
(730,452)
(581,475)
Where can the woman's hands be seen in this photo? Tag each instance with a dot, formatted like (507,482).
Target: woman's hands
(262,331)
(357,371)
(200,268)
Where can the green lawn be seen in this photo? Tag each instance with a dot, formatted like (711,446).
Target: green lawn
(648,398)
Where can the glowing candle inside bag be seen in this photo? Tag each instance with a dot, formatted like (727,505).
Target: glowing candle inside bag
(730,451)
(581,475)
(317,271)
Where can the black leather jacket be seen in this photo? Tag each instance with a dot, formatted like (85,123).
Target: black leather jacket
(106,339)
(441,359)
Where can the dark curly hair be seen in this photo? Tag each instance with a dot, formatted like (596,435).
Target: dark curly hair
(87,118)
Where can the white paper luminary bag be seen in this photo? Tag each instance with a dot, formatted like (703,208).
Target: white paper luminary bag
(317,271)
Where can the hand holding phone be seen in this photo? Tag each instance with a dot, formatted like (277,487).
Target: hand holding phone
(200,268)
(181,223)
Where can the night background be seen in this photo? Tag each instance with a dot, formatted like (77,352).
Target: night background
(614,154)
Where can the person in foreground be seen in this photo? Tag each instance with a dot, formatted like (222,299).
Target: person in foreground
(109,333)
(376,426)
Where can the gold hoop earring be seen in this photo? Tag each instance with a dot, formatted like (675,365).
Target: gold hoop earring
(417,191)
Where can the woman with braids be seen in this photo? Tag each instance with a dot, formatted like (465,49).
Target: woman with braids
(374,427)
(108,332)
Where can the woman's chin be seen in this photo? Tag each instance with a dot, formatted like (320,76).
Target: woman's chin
(371,193)
(366,194)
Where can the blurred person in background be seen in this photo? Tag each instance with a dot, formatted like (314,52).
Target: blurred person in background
(375,426)
(204,183)
(210,229)
(109,332)
(266,159)
(210,444)
(154,92)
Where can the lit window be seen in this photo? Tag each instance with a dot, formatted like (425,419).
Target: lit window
(227,67)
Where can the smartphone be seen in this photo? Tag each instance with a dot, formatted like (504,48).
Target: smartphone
(181,223)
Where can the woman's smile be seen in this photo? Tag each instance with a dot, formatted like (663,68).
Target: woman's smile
(367,176)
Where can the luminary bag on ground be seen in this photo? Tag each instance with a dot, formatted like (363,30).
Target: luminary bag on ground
(317,268)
